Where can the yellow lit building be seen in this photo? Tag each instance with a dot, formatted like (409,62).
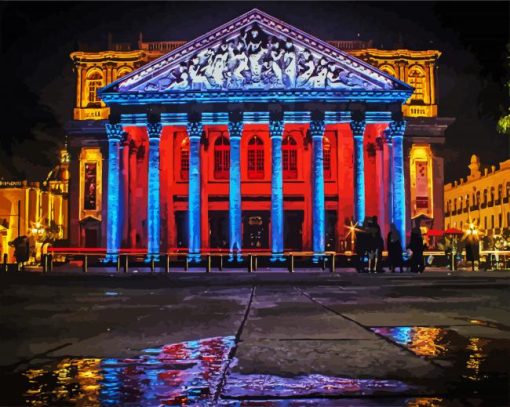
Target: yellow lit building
(482,198)
(38,211)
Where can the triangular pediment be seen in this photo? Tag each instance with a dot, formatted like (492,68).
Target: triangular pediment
(255,52)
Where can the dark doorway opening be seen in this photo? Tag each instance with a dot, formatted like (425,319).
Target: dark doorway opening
(256,229)
(181,222)
(218,229)
(293,230)
(330,239)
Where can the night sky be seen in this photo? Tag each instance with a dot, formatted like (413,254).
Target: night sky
(38,82)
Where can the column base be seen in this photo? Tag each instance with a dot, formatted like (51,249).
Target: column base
(194,258)
(111,258)
(318,257)
(275,257)
(150,257)
(235,257)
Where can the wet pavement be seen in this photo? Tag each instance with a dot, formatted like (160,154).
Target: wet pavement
(228,340)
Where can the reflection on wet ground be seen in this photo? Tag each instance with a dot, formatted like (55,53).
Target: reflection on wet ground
(191,373)
(182,373)
(481,365)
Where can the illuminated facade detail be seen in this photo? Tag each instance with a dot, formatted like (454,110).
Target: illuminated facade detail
(227,182)
(421,180)
(318,208)
(115,134)
(235,130)
(482,198)
(91,170)
(153,199)
(358,132)
(276,128)
(195,134)
(397,130)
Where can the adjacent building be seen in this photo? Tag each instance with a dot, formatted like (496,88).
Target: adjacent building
(255,135)
(482,198)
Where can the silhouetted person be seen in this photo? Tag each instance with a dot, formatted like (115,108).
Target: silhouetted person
(360,247)
(21,250)
(416,247)
(394,246)
(379,245)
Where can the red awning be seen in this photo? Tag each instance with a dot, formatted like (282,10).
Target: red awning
(435,232)
(453,231)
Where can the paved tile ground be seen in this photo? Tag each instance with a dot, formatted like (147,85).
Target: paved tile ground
(225,338)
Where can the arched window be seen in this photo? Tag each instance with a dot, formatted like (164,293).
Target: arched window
(289,156)
(94,82)
(507,190)
(255,158)
(417,81)
(500,192)
(477,198)
(448,206)
(492,195)
(123,71)
(327,158)
(467,202)
(221,158)
(185,159)
(485,197)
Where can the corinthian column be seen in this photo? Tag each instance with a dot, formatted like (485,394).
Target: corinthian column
(318,208)
(194,134)
(276,132)
(115,133)
(358,131)
(397,129)
(153,201)
(235,129)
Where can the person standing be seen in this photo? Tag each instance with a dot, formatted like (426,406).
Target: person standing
(416,247)
(394,246)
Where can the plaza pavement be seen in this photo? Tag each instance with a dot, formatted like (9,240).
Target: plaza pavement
(311,338)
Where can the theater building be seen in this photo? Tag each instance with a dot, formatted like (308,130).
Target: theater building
(255,135)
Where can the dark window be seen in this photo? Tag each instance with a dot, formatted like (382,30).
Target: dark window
(185,159)
(94,82)
(327,158)
(289,156)
(255,158)
(221,158)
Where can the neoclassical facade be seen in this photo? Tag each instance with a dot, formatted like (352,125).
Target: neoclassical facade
(255,135)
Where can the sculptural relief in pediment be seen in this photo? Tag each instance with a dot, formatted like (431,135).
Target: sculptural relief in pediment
(256,59)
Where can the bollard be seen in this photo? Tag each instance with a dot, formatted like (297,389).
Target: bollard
(6,267)
(323,262)
(208,264)
(167,264)
(153,265)
(85,264)
(186,264)
(250,263)
(126,263)
(332,264)
(220,268)
(50,262)
(291,264)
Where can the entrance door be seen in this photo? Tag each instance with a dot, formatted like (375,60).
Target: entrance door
(91,238)
(293,230)
(330,230)
(218,228)
(256,230)
(181,222)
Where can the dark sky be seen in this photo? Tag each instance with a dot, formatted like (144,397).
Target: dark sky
(38,88)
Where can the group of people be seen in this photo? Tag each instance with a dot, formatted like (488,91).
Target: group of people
(369,246)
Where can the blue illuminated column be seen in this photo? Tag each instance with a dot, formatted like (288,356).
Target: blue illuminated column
(318,208)
(276,133)
(358,131)
(115,134)
(194,134)
(397,130)
(153,201)
(235,129)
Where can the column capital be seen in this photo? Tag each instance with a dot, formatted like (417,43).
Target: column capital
(358,127)
(397,128)
(114,131)
(195,129)
(276,128)
(317,128)
(235,128)
(154,130)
